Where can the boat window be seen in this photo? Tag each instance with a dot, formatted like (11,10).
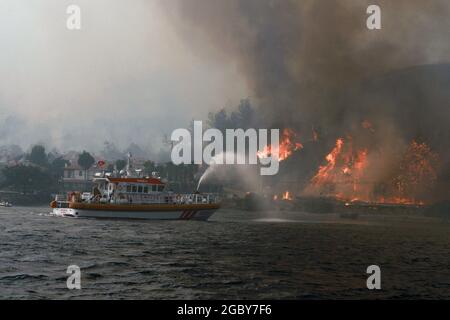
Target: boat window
(146,189)
(160,188)
(140,189)
(63,204)
(134,189)
(128,188)
(154,187)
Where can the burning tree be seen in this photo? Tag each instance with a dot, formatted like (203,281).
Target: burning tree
(417,171)
(345,175)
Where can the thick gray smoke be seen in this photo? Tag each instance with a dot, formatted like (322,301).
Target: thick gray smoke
(297,54)
(124,77)
(314,63)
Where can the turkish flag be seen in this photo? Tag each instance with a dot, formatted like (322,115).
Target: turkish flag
(101,163)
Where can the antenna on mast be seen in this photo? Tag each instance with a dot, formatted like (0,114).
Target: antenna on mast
(129,164)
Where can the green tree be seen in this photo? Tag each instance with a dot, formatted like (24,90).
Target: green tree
(85,160)
(120,164)
(243,117)
(27,179)
(219,120)
(38,156)
(171,171)
(57,167)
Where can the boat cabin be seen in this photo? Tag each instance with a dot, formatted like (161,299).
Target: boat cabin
(129,190)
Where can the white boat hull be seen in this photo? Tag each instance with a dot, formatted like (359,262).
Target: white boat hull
(200,215)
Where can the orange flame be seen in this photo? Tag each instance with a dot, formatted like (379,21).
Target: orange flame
(418,171)
(326,172)
(287,196)
(288,144)
(344,175)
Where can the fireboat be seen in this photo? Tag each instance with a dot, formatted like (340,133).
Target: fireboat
(127,195)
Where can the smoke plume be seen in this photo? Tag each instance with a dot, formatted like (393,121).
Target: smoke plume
(315,64)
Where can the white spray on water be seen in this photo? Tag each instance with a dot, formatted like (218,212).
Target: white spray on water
(222,170)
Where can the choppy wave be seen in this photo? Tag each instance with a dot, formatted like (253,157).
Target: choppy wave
(239,255)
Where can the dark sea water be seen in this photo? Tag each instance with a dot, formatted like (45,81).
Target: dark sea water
(236,255)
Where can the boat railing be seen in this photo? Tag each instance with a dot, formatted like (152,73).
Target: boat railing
(195,198)
(169,198)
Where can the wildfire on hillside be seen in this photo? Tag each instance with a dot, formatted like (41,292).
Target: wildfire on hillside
(354,169)
(347,174)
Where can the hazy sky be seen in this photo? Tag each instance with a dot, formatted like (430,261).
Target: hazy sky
(126,76)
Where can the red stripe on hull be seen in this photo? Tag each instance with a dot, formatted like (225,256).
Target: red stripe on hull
(188,214)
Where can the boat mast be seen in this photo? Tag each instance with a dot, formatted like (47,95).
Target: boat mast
(129,165)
